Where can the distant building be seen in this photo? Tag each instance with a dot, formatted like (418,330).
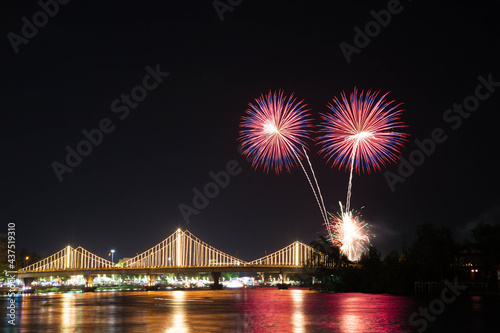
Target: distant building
(475,268)
(497,267)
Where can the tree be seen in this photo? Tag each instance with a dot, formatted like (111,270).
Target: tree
(487,238)
(321,244)
(228,276)
(432,252)
(370,259)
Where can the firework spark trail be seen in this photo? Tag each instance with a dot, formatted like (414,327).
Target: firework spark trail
(359,133)
(349,187)
(321,209)
(273,132)
(323,212)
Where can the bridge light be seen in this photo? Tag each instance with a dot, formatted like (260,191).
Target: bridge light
(296,253)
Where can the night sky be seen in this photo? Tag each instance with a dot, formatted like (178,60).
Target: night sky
(71,74)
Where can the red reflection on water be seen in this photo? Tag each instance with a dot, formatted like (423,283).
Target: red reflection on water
(368,313)
(245,310)
(304,311)
(298,317)
(273,311)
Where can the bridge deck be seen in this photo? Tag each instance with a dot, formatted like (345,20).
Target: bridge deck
(167,269)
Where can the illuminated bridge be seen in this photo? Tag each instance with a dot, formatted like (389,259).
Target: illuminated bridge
(181,252)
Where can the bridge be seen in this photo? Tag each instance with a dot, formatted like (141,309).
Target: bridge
(181,252)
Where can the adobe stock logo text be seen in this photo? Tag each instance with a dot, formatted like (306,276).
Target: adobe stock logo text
(29,29)
(454,117)
(94,137)
(362,38)
(212,189)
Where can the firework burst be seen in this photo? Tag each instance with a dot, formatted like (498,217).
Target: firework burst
(350,233)
(361,131)
(274,131)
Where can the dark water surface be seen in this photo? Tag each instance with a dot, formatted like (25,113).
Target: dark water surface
(247,310)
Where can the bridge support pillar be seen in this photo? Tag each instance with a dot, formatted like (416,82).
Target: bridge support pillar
(283,277)
(282,285)
(151,279)
(28,281)
(89,280)
(216,277)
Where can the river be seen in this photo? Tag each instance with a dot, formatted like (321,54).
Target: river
(247,310)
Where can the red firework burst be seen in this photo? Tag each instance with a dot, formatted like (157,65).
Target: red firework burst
(360,132)
(274,130)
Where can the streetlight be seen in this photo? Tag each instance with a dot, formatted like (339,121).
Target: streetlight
(112,256)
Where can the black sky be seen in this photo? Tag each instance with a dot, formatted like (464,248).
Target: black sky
(125,194)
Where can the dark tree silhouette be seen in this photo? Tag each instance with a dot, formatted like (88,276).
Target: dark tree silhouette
(432,252)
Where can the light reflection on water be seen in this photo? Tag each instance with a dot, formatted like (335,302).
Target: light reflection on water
(68,312)
(178,321)
(298,318)
(246,310)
